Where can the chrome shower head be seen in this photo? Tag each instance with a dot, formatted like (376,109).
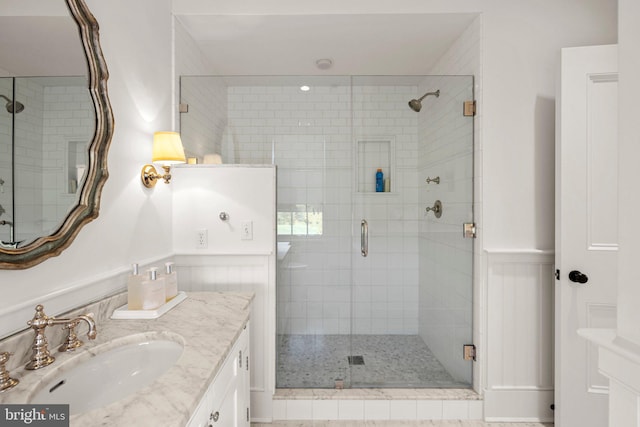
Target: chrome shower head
(416,104)
(12,106)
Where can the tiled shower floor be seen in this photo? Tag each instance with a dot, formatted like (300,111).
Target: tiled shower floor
(316,361)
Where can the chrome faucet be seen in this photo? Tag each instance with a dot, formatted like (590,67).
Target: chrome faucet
(6,382)
(41,356)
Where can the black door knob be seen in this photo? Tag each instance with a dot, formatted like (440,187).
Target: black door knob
(577,277)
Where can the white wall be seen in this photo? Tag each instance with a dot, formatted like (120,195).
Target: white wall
(245,194)
(229,262)
(134,223)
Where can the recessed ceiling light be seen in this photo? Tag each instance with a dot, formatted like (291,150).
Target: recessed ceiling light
(324,63)
(305,88)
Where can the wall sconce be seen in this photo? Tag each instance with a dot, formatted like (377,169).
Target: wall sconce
(167,151)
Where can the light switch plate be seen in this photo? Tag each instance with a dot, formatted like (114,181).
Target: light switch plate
(246,230)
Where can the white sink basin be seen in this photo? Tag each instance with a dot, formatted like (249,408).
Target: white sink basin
(109,376)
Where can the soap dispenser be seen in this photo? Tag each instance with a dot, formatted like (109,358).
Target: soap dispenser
(134,289)
(170,281)
(153,290)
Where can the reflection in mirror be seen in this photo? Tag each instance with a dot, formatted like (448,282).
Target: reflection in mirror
(55,128)
(45,128)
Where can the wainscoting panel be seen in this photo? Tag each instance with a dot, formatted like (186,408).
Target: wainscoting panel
(250,273)
(520,334)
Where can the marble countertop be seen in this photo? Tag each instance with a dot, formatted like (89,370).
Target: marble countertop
(206,323)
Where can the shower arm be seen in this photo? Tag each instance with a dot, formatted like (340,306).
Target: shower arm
(436,93)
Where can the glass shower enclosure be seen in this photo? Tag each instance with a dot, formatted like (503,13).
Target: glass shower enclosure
(374,288)
(46,126)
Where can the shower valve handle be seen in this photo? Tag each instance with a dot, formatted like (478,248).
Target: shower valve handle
(436,209)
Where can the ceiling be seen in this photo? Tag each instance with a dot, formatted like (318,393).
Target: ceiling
(41,46)
(358,44)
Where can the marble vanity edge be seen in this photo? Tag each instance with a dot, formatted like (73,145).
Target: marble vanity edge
(208,323)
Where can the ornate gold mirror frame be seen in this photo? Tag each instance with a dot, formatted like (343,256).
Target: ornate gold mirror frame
(89,200)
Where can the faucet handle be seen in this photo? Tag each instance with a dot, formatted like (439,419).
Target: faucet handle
(6,382)
(72,342)
(39,318)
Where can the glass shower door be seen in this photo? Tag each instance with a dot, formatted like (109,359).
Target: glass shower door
(313,159)
(412,292)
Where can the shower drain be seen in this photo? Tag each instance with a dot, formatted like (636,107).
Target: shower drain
(355,360)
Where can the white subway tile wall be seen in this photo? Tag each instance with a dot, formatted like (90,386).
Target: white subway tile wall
(312,137)
(328,143)
(6,192)
(203,127)
(386,282)
(69,124)
(51,141)
(446,293)
(28,160)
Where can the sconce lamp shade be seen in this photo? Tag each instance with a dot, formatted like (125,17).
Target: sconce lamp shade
(167,148)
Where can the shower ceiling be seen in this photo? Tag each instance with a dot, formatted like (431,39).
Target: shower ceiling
(41,46)
(357,43)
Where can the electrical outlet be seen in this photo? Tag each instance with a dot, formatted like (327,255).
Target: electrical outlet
(202,239)
(246,230)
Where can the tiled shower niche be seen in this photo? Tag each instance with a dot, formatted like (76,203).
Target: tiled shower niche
(373,154)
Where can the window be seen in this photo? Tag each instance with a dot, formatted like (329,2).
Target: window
(299,220)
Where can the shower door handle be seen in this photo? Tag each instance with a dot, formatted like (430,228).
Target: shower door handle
(364,238)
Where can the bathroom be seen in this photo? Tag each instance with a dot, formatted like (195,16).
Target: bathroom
(513,62)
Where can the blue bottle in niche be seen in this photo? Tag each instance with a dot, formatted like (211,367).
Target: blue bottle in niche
(379,181)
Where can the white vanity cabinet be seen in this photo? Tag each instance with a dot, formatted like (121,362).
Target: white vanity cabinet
(226,402)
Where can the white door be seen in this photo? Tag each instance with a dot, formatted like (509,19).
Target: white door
(586,229)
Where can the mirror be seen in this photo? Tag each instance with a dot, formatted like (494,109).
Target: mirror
(56,125)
